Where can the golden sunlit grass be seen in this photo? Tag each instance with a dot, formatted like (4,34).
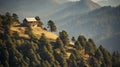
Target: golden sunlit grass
(37,31)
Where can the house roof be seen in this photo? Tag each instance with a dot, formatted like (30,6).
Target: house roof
(30,19)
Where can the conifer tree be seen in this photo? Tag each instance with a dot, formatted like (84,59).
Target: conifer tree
(15,17)
(44,42)
(64,37)
(99,55)
(59,43)
(107,57)
(82,40)
(52,26)
(89,49)
(78,45)
(93,62)
(72,61)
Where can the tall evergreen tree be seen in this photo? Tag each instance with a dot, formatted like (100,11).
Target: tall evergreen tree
(72,61)
(82,40)
(59,43)
(93,62)
(15,17)
(52,26)
(116,59)
(44,42)
(99,55)
(106,56)
(64,37)
(89,49)
(78,45)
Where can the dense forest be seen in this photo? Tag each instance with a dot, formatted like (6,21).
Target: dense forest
(16,51)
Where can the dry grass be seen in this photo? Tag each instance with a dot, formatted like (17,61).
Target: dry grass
(37,31)
(20,31)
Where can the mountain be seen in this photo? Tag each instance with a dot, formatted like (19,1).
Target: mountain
(90,4)
(70,8)
(101,24)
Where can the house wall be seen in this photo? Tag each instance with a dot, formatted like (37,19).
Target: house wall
(31,24)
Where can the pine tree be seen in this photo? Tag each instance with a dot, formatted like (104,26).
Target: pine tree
(93,62)
(52,26)
(99,55)
(59,43)
(106,56)
(60,58)
(64,37)
(78,45)
(115,59)
(46,55)
(82,40)
(15,17)
(72,61)
(92,43)
(89,49)
(44,42)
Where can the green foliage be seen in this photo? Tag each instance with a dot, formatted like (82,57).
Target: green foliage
(40,23)
(78,45)
(98,54)
(30,33)
(76,53)
(52,26)
(15,18)
(82,40)
(106,56)
(93,44)
(59,43)
(61,59)
(46,55)
(64,37)
(93,62)
(116,59)
(45,64)
(89,48)
(72,61)
(9,20)
(0,21)
(45,43)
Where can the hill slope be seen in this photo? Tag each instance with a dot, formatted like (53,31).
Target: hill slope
(37,31)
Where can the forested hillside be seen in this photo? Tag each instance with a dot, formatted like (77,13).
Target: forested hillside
(33,51)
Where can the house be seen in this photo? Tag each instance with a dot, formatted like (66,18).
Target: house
(30,22)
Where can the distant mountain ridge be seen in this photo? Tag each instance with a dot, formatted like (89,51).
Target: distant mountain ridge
(90,4)
(101,24)
(71,8)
